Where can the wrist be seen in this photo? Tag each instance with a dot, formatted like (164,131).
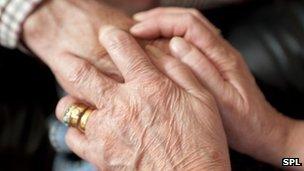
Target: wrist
(273,144)
(204,158)
(191,155)
(294,143)
(33,26)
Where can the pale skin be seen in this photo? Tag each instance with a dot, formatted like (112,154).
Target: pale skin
(70,27)
(161,118)
(252,125)
(64,34)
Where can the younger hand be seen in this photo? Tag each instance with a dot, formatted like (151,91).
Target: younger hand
(253,126)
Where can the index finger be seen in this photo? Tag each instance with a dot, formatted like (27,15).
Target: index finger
(126,53)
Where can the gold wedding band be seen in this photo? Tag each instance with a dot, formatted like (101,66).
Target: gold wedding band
(77,116)
(73,114)
(84,119)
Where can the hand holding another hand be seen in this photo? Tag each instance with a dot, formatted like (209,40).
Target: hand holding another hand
(252,125)
(152,121)
(70,28)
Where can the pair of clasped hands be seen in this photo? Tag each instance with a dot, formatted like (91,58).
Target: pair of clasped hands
(175,110)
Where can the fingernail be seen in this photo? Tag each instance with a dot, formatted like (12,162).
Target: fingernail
(179,47)
(154,51)
(137,28)
(138,16)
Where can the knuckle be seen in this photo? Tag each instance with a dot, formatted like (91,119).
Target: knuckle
(156,87)
(140,66)
(79,72)
(118,39)
(148,79)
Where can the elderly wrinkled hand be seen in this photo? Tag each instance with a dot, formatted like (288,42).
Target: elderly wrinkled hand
(252,125)
(71,27)
(152,121)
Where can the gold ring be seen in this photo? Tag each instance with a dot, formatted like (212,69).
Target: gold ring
(84,119)
(73,114)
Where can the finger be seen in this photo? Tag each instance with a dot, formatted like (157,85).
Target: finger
(63,105)
(168,25)
(126,53)
(204,70)
(93,121)
(77,143)
(81,79)
(161,11)
(175,70)
(97,125)
(187,26)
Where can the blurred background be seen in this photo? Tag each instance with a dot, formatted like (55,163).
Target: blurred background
(269,34)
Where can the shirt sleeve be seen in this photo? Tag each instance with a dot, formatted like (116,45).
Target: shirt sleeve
(12,15)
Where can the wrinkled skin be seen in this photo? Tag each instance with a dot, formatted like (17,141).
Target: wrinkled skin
(60,27)
(152,121)
(64,34)
(252,125)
